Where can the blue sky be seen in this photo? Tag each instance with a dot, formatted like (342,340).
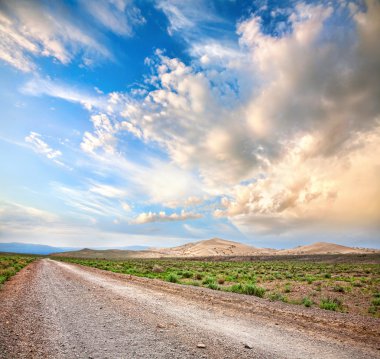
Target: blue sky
(162,122)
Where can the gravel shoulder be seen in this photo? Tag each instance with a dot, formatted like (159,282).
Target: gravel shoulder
(52,309)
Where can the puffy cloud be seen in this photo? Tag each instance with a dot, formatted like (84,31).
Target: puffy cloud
(102,137)
(28,29)
(302,191)
(41,147)
(163,217)
(297,135)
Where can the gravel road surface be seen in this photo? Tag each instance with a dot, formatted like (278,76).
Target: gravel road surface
(52,309)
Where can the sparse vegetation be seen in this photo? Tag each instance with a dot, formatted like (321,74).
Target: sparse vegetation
(330,304)
(312,284)
(11,264)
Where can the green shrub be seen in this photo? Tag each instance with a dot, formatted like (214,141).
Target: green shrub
(187,274)
(213,285)
(307,302)
(252,289)
(277,297)
(172,278)
(208,280)
(330,304)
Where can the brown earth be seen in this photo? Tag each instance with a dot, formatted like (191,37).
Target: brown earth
(59,310)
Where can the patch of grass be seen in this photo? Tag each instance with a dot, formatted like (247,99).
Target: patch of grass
(252,289)
(11,264)
(187,274)
(213,285)
(339,288)
(172,278)
(307,302)
(208,280)
(277,297)
(330,304)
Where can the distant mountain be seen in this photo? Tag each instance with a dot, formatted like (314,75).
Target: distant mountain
(325,248)
(212,247)
(206,248)
(28,248)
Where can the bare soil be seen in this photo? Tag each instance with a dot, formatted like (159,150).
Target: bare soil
(59,310)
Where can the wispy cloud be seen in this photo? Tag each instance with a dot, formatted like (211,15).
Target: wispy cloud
(188,17)
(30,29)
(118,16)
(41,147)
(38,86)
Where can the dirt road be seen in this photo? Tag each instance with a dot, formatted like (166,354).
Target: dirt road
(58,310)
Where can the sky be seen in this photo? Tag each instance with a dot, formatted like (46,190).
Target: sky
(160,122)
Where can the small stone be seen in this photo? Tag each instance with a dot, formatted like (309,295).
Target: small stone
(201,345)
(248,345)
(161,326)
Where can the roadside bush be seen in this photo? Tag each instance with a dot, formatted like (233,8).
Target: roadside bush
(187,274)
(252,289)
(208,280)
(221,280)
(339,288)
(307,302)
(172,278)
(277,297)
(213,285)
(330,304)
(198,276)
(157,269)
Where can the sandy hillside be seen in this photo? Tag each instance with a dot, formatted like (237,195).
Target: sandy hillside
(212,247)
(325,248)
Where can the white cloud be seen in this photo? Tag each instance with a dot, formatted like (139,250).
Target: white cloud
(15,215)
(102,201)
(108,191)
(163,217)
(41,147)
(103,136)
(119,16)
(188,17)
(313,95)
(29,29)
(45,86)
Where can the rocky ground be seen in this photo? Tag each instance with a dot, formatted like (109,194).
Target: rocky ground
(58,310)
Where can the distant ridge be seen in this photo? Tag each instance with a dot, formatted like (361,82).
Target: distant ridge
(28,248)
(216,247)
(325,248)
